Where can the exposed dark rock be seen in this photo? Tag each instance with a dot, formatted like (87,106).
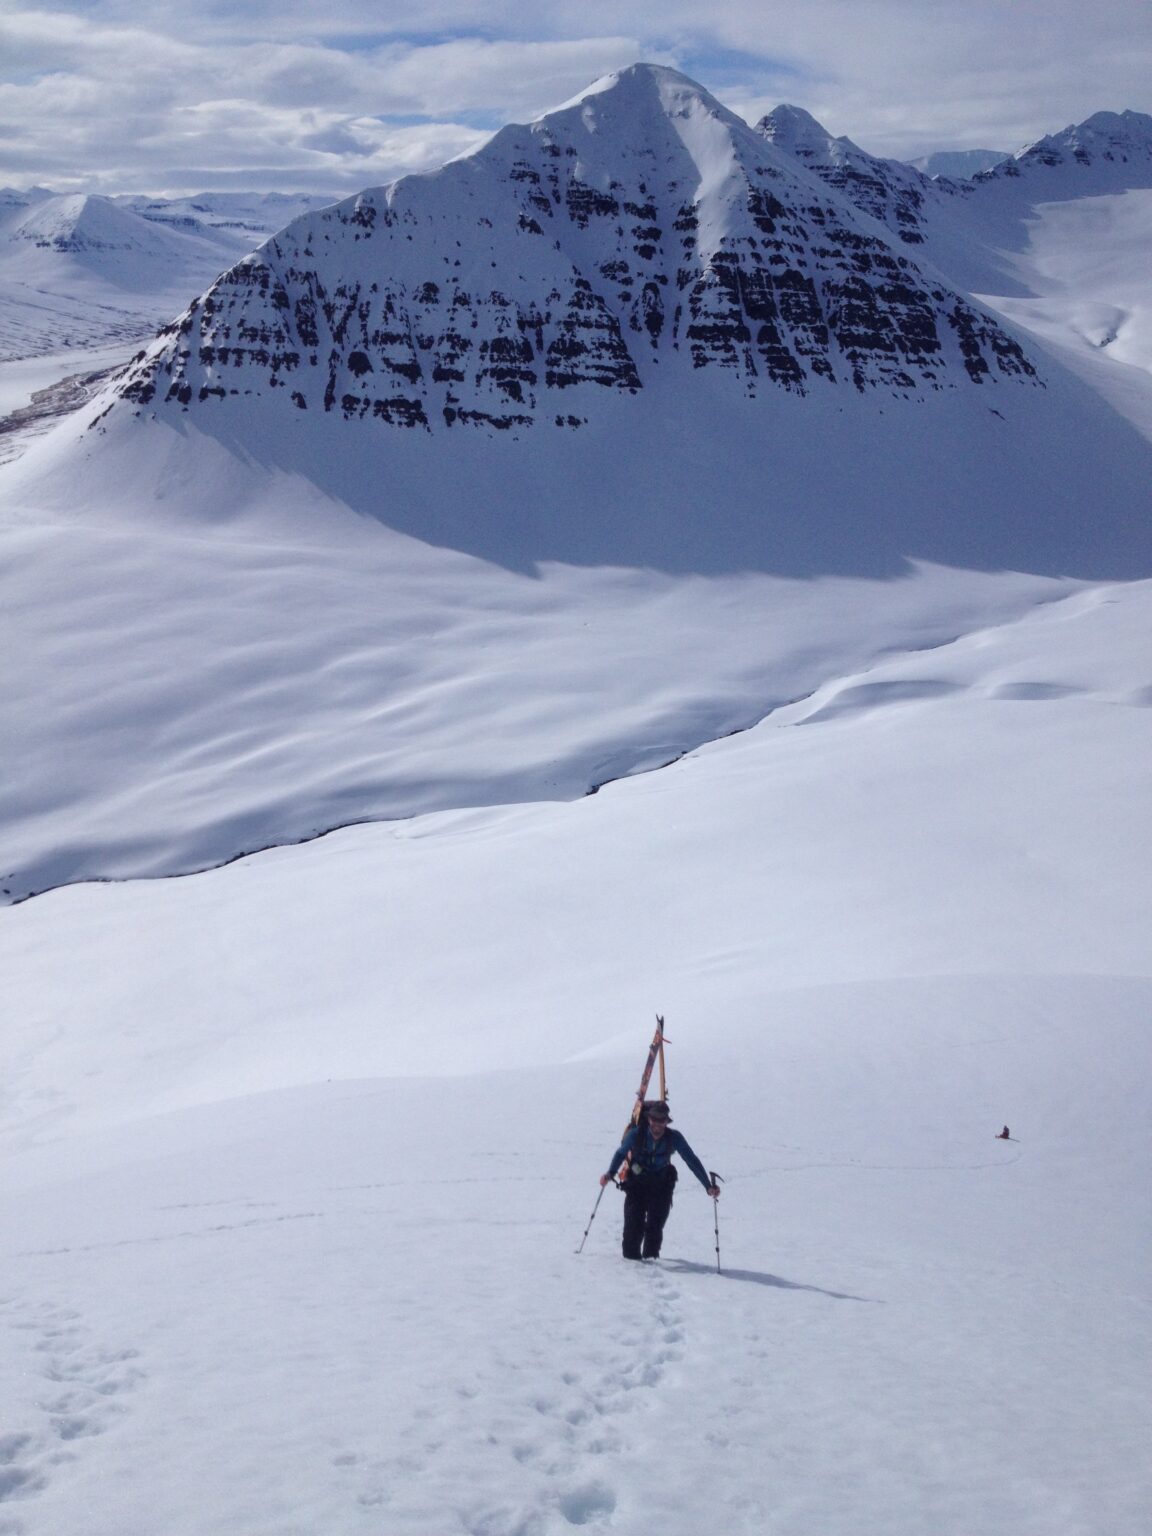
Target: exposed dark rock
(790,289)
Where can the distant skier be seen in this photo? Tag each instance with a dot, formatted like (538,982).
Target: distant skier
(651,1179)
(1005,1135)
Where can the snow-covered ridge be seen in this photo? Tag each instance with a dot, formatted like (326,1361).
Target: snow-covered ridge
(1110,151)
(1121,133)
(888,190)
(79,221)
(1054,238)
(642,230)
(80,270)
(1116,142)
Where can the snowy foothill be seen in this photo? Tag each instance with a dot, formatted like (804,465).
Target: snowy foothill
(374,791)
(1086,264)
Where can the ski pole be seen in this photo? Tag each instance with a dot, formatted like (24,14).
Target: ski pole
(592,1218)
(716,1182)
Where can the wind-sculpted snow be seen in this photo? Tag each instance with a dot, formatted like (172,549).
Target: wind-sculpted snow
(641,230)
(297,1152)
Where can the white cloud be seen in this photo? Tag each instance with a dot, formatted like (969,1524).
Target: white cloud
(108,91)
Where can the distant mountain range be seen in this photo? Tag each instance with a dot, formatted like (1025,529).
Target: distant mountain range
(1109,152)
(81,270)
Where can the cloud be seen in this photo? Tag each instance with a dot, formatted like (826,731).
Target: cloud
(179,96)
(904,76)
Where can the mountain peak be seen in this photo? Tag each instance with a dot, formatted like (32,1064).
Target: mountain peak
(643,87)
(797,131)
(633,237)
(648,109)
(78,221)
(1115,146)
(1104,134)
(887,190)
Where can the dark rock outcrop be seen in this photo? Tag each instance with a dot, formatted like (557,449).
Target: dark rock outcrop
(642,229)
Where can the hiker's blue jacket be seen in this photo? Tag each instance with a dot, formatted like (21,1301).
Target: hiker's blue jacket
(650,1155)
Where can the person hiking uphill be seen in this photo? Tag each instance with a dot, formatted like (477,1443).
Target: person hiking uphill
(651,1179)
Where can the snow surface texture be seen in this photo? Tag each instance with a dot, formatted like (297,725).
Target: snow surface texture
(297,1151)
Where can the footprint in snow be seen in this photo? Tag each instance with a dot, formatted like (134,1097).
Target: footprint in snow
(589,1504)
(91,1378)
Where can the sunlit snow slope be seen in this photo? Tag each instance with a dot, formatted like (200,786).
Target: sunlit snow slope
(298,1152)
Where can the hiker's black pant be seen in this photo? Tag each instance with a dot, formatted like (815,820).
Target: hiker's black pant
(647,1201)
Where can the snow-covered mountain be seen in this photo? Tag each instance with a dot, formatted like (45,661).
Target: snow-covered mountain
(80,271)
(891,191)
(516,368)
(1113,149)
(123,246)
(253,216)
(1069,221)
(1055,237)
(642,229)
(297,1149)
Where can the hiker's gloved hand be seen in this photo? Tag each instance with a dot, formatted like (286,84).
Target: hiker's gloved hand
(714,1191)
(605,1178)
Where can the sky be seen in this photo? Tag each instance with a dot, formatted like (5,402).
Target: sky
(180,96)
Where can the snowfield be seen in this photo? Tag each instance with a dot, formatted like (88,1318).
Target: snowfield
(299,1150)
(372,794)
